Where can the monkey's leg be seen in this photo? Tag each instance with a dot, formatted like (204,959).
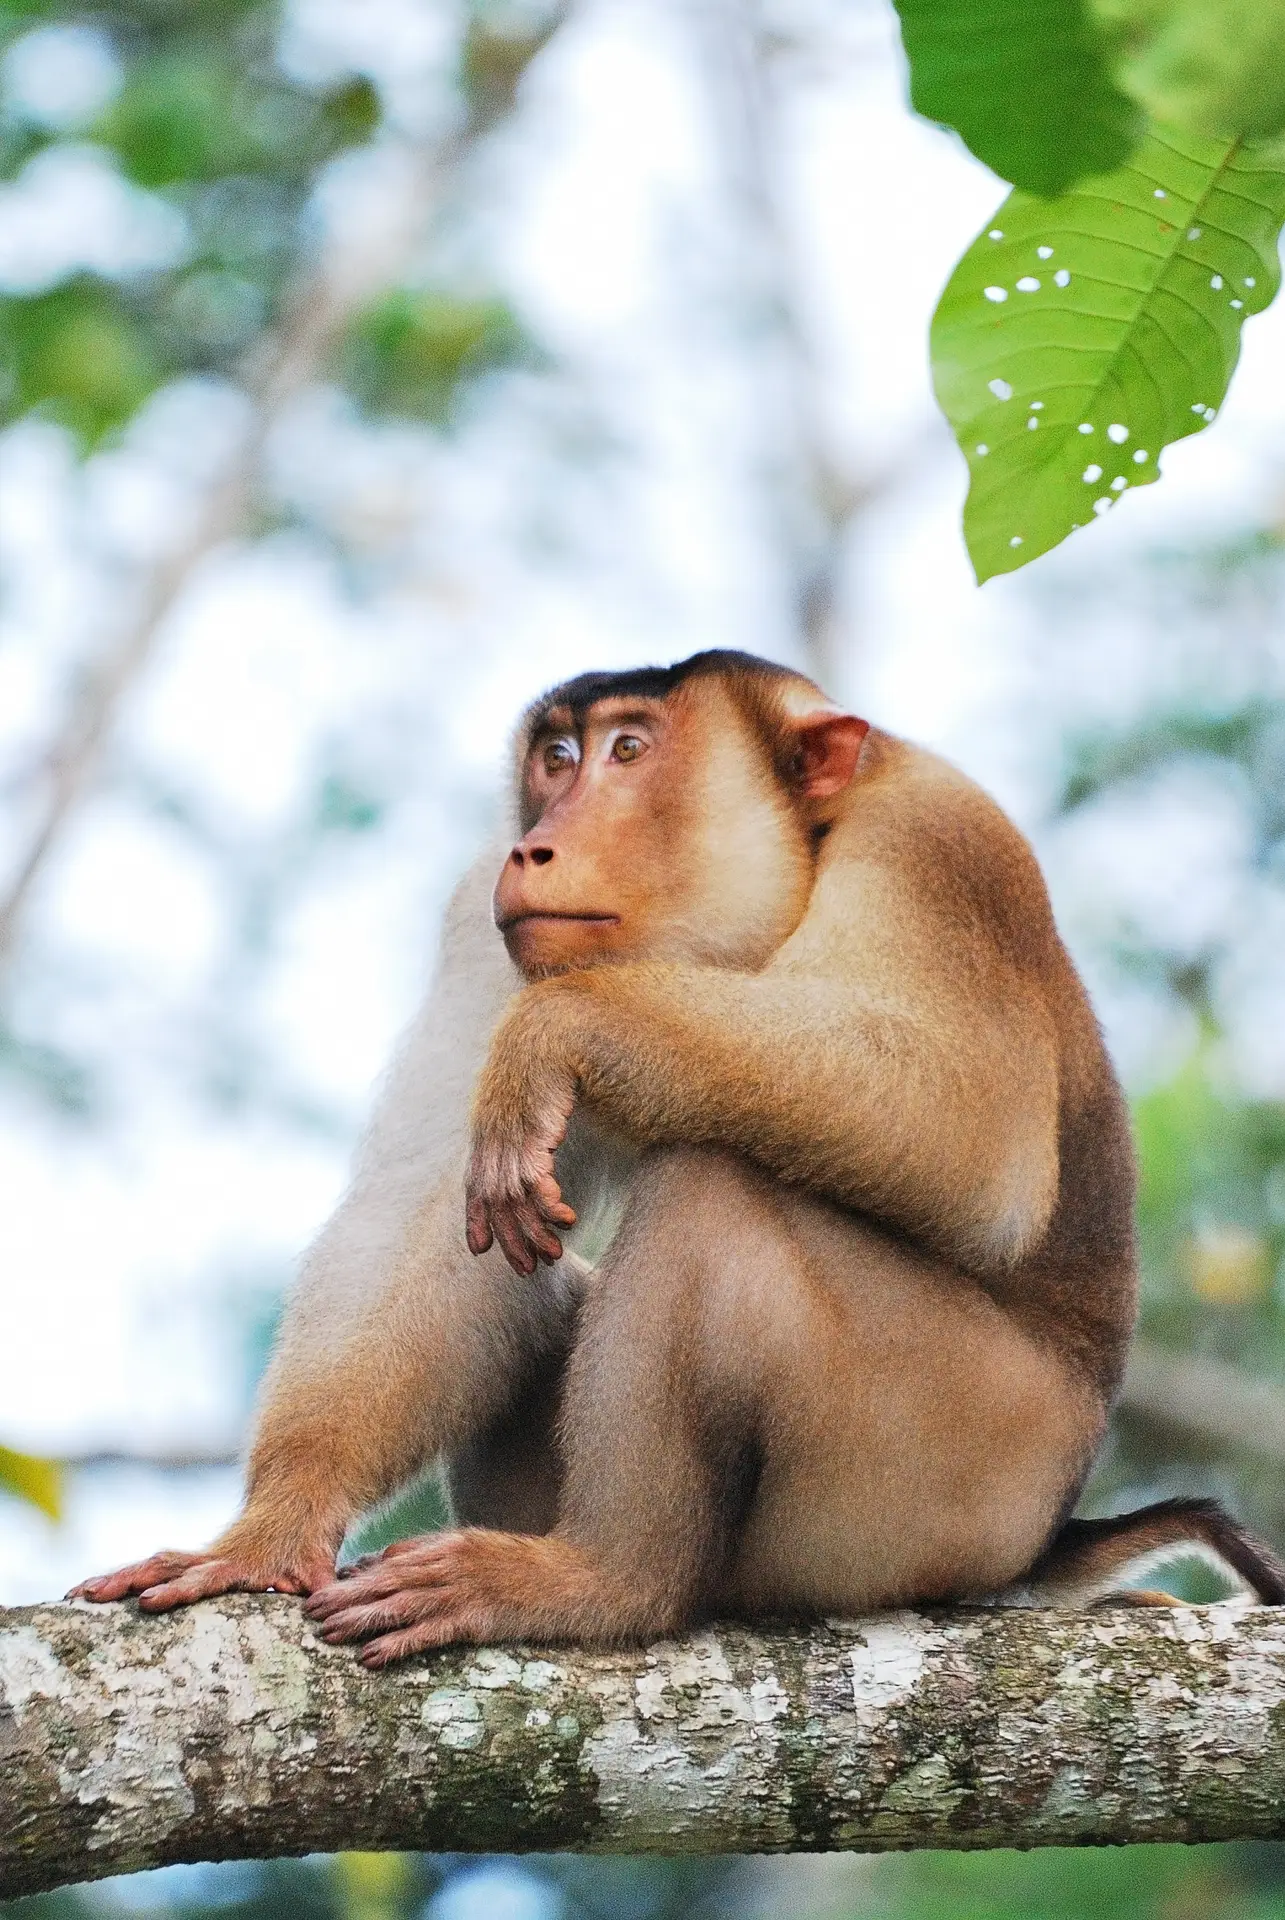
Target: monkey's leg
(369,1383)
(510,1474)
(658,1441)
(771,1406)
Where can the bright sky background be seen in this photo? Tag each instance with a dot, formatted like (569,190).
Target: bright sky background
(604,225)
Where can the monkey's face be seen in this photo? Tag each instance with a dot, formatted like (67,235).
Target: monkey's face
(655,829)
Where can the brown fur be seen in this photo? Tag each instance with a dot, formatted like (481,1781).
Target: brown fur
(801,1001)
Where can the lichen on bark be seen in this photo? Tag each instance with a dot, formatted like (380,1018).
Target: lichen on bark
(230,1731)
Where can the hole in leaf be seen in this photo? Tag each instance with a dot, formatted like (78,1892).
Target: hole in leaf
(1091,474)
(1061,278)
(1086,426)
(1045,253)
(1016,541)
(1117,433)
(1140,457)
(1104,505)
(995,293)
(1210,412)
(1160,194)
(1238,303)
(1250,280)
(1193,233)
(1197,406)
(1001,389)
(983,450)
(1119,483)
(996,233)
(1028,284)
(1217,283)
(1037,406)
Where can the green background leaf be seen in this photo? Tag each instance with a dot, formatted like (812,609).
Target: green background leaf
(1078,337)
(39,1482)
(1215,67)
(412,352)
(80,354)
(1026,83)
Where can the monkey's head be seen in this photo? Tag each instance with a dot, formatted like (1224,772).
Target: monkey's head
(672,814)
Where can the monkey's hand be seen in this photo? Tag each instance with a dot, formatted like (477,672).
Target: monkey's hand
(175,1579)
(519,1121)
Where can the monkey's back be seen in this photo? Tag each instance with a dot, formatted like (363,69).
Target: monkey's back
(1076,1288)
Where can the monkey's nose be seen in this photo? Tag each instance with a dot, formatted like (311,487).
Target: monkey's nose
(538,856)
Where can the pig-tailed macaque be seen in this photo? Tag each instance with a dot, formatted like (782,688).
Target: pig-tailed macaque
(747,1223)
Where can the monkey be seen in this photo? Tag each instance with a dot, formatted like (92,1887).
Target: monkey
(747,1222)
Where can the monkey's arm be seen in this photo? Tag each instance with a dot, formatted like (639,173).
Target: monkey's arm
(377,1358)
(896,1074)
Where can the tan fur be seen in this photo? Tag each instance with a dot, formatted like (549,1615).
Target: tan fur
(827,1087)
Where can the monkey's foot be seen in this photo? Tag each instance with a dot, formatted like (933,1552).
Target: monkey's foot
(474,1585)
(175,1579)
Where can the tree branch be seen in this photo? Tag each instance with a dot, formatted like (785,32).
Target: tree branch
(228,1731)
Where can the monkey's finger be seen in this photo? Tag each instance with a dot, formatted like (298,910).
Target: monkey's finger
(424,1637)
(200,1582)
(345,1594)
(133,1579)
(552,1204)
(540,1238)
(512,1242)
(373,1583)
(478,1227)
(398,1609)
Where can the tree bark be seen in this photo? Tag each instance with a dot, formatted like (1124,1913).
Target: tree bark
(229,1731)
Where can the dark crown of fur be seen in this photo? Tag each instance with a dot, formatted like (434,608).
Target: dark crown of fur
(649,683)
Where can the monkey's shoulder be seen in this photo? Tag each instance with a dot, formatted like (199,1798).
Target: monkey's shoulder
(942,841)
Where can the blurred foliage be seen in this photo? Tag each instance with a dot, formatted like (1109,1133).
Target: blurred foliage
(1056,1883)
(421,1507)
(499,45)
(1211,1150)
(1215,66)
(37,1481)
(1211,1213)
(80,355)
(413,351)
(58,1081)
(1248,738)
(203,118)
(1212,1160)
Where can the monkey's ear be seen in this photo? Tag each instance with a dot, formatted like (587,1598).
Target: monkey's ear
(829,745)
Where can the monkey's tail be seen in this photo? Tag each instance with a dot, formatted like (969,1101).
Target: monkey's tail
(1089,1560)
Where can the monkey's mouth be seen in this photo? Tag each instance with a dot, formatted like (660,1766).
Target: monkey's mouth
(536,916)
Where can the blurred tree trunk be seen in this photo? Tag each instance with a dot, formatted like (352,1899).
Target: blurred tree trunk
(228,1731)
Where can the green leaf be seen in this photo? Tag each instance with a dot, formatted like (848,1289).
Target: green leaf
(38,1482)
(77,354)
(410,353)
(193,115)
(1215,67)
(1078,337)
(1026,83)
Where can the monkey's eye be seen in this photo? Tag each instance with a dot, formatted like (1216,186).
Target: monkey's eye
(559,755)
(627,746)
